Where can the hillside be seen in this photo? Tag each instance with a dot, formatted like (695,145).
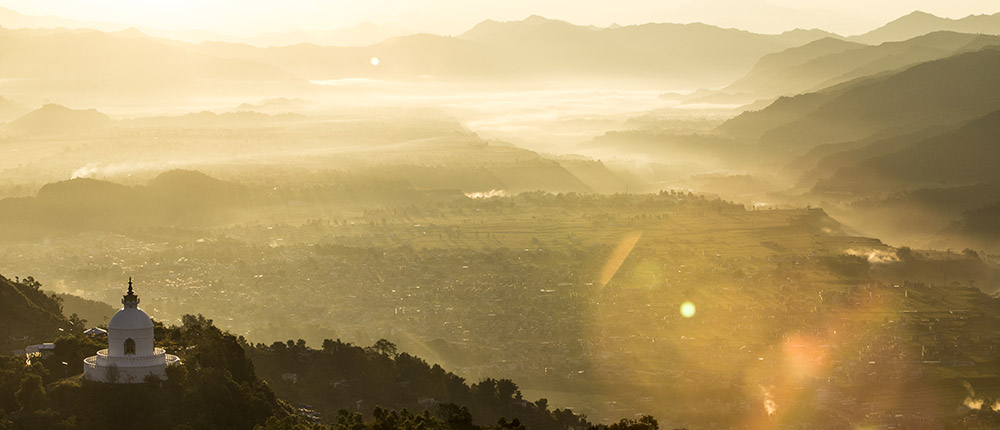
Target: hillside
(27,314)
(979,227)
(954,89)
(823,161)
(765,77)
(829,62)
(95,313)
(920,23)
(55,119)
(910,188)
(216,385)
(342,374)
(83,204)
(915,217)
(963,157)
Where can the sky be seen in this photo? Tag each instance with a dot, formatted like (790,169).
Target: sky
(252,17)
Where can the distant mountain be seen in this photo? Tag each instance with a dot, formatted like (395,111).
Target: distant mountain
(57,119)
(10,18)
(531,27)
(830,61)
(951,90)
(278,105)
(189,197)
(534,51)
(681,52)
(84,191)
(207,119)
(174,198)
(363,34)
(920,23)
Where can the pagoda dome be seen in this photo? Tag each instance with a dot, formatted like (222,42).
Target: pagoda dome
(130,317)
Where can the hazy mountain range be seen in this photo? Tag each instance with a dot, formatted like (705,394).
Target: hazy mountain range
(919,23)
(957,88)
(863,117)
(830,61)
(536,51)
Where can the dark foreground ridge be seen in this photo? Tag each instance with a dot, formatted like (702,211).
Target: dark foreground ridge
(217,386)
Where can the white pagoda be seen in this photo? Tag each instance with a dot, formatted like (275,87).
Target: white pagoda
(130,356)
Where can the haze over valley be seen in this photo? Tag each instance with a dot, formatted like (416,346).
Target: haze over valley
(572,224)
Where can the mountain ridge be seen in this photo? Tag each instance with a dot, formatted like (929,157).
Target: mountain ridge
(917,23)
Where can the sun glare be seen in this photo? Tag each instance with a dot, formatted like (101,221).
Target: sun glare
(375,61)
(687,309)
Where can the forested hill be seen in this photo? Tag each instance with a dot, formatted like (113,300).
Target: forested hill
(217,386)
(214,388)
(344,374)
(27,314)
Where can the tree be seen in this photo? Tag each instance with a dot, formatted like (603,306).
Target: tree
(542,404)
(646,422)
(455,417)
(4,422)
(291,422)
(77,324)
(384,347)
(31,395)
(349,420)
(507,390)
(31,283)
(513,425)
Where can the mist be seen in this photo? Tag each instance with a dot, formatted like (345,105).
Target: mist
(652,217)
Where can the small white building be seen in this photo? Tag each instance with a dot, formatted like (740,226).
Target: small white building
(95,332)
(130,356)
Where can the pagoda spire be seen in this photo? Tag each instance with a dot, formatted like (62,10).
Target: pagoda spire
(131,298)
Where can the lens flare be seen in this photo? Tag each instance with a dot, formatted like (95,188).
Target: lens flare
(618,257)
(769,406)
(687,309)
(972,401)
